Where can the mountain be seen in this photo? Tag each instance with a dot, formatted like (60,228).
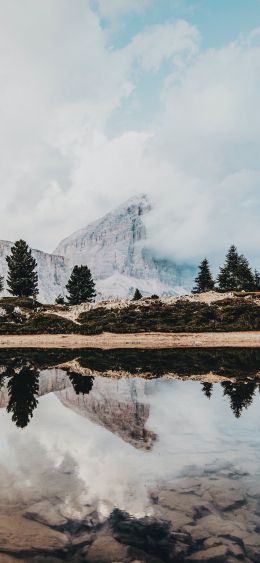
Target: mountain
(53,271)
(115,248)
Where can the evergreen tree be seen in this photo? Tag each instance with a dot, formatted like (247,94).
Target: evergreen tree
(137,295)
(246,276)
(204,280)
(22,278)
(23,387)
(257,280)
(60,300)
(80,286)
(236,274)
(1,283)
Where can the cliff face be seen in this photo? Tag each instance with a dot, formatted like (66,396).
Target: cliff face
(53,271)
(119,406)
(115,248)
(116,251)
(111,244)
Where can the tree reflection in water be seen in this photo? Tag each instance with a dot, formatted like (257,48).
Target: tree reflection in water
(23,388)
(207,389)
(240,395)
(81,383)
(20,374)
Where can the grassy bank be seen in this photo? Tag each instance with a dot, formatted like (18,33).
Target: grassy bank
(236,313)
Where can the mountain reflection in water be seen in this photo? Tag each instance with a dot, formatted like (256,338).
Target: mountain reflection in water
(21,379)
(125,455)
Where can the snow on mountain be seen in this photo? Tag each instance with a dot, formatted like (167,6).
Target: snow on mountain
(53,272)
(123,287)
(116,251)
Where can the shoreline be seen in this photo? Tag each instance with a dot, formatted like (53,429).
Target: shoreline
(150,340)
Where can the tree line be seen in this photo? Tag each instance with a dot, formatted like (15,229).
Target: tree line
(22,277)
(235,275)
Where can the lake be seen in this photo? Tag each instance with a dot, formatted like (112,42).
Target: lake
(130,456)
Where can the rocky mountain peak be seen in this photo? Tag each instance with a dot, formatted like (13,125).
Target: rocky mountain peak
(115,248)
(108,245)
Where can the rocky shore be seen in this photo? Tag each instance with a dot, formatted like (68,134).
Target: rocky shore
(210,517)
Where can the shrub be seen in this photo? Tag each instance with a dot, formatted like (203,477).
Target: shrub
(22,302)
(48,324)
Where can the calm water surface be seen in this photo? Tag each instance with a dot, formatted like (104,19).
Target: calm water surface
(106,456)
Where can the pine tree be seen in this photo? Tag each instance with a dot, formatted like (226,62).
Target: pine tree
(137,295)
(60,300)
(257,280)
(204,280)
(236,274)
(1,283)
(80,286)
(246,276)
(22,278)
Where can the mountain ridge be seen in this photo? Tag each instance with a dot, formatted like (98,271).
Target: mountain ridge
(115,248)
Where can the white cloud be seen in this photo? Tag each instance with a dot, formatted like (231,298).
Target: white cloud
(60,83)
(198,157)
(161,42)
(210,130)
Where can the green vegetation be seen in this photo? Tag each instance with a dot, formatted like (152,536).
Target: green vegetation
(81,287)
(23,302)
(234,314)
(22,279)
(137,295)
(235,275)
(204,280)
(48,324)
(24,316)
(60,300)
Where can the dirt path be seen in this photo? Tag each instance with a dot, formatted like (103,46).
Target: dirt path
(140,340)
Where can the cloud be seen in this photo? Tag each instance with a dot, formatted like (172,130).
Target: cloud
(160,42)
(195,152)
(209,129)
(60,85)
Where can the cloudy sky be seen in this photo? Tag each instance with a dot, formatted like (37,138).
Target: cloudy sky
(104,99)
